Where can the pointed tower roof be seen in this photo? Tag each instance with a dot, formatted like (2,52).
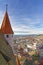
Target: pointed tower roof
(6,26)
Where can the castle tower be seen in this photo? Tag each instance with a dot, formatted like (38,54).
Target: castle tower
(7,30)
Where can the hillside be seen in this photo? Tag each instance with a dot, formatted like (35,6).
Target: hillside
(7,51)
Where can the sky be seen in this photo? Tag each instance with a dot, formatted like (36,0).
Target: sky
(26,16)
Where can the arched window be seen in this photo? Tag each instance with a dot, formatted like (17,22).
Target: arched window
(7,36)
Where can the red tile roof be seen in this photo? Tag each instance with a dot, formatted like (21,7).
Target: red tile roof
(17,60)
(6,26)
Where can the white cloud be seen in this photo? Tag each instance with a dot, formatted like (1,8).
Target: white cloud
(1,17)
(27,30)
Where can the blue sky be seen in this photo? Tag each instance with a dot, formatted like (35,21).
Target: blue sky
(26,16)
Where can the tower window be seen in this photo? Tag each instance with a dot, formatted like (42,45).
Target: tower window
(7,36)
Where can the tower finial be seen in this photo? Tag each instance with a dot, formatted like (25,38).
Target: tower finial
(6,7)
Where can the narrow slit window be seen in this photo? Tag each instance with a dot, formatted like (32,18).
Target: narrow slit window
(7,36)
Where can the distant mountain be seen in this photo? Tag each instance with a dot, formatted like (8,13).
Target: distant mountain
(6,53)
(40,36)
(17,36)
